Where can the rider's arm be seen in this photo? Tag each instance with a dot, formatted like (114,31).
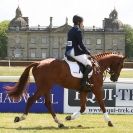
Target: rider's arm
(79,38)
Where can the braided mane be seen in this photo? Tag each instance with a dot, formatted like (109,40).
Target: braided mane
(105,54)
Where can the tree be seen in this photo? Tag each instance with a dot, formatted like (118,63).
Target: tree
(129,40)
(3,38)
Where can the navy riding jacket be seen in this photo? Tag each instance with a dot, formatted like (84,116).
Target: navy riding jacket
(74,40)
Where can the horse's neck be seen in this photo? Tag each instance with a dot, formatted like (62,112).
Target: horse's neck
(104,63)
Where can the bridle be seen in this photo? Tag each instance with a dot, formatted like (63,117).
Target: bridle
(109,72)
(97,69)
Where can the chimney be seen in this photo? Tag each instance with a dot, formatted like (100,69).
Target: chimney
(66,20)
(51,25)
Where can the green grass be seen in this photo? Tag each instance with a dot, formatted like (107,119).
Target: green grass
(127,74)
(11,71)
(17,71)
(43,123)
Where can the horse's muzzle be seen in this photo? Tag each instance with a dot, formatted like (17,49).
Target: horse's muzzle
(114,78)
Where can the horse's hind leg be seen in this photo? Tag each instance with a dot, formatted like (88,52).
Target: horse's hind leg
(99,97)
(30,101)
(50,109)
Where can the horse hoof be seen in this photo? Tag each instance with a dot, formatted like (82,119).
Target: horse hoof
(110,124)
(17,119)
(61,126)
(68,118)
(79,126)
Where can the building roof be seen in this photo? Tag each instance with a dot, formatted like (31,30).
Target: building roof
(18,21)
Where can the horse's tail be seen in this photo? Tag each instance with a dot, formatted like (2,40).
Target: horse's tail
(17,90)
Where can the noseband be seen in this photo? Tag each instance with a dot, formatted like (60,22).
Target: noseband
(109,72)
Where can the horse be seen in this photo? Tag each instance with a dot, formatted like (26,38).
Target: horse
(53,71)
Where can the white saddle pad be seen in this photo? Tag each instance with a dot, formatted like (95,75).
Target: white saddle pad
(75,69)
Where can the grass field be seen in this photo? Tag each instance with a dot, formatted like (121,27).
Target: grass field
(43,123)
(17,71)
(11,71)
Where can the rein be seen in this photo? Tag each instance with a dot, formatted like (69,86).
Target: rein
(96,67)
(105,73)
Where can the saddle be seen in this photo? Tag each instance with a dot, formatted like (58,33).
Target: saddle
(76,68)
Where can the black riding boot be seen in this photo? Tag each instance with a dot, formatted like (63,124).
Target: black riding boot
(85,86)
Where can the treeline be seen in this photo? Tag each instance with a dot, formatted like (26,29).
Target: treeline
(129,41)
(3,38)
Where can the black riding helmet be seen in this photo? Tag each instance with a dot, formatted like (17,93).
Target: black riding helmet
(77,19)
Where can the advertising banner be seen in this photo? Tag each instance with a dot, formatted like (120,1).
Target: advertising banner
(118,99)
(9,105)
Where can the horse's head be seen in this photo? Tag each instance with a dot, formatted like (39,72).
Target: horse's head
(116,67)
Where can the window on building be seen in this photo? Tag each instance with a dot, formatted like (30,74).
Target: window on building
(99,41)
(120,44)
(44,40)
(17,53)
(12,53)
(32,53)
(114,45)
(55,52)
(32,40)
(17,28)
(17,39)
(22,52)
(114,42)
(87,41)
(55,40)
(44,53)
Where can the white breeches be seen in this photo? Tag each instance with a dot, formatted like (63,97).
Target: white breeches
(81,58)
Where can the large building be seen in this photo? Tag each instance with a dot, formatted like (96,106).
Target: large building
(35,43)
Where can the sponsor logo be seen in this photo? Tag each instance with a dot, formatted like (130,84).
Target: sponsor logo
(118,99)
(10,105)
(109,97)
(124,93)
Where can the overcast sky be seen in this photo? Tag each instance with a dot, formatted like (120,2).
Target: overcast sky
(93,11)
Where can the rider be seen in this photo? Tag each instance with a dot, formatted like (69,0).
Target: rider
(76,49)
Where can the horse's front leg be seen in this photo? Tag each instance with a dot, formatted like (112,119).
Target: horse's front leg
(99,96)
(83,101)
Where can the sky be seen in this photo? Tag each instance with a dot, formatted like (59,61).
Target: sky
(93,11)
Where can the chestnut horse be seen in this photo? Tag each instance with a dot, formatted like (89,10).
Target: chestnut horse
(52,71)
